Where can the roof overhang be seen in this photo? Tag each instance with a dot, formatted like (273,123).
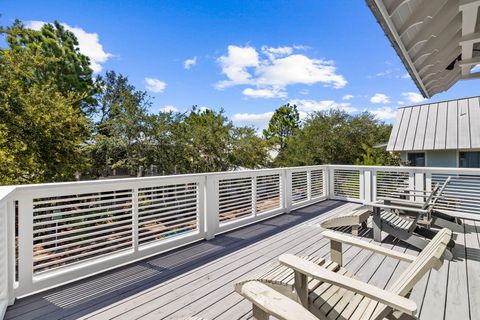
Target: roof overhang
(438,41)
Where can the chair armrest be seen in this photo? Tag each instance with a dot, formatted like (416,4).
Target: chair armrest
(394,207)
(402,202)
(312,270)
(334,236)
(414,190)
(274,303)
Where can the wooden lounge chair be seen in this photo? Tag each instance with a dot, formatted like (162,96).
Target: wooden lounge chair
(386,218)
(329,291)
(438,217)
(354,218)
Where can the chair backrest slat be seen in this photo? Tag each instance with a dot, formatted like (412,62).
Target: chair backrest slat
(431,256)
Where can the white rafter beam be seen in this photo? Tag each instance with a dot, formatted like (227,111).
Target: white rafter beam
(469,9)
(427,10)
(470,62)
(435,27)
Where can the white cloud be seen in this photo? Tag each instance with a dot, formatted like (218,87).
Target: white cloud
(413,97)
(400,103)
(347,97)
(281,68)
(88,44)
(384,113)
(187,64)
(235,65)
(475,69)
(34,24)
(264,93)
(322,105)
(380,98)
(169,108)
(155,85)
(252,116)
(273,53)
(259,120)
(299,69)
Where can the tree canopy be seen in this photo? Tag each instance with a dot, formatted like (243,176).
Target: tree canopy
(283,124)
(58,121)
(333,137)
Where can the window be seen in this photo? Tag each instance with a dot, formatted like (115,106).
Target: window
(469,159)
(417,159)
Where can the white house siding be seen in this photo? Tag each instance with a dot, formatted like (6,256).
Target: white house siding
(437,158)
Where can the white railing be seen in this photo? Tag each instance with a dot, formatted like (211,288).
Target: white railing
(67,231)
(52,234)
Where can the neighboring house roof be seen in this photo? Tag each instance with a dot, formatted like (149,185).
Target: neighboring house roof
(453,124)
(435,39)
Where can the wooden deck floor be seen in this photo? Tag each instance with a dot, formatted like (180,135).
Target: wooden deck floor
(197,281)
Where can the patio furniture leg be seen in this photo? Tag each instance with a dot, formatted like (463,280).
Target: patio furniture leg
(355,230)
(377,225)
(259,314)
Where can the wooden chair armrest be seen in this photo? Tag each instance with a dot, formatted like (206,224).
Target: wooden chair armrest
(395,207)
(271,302)
(335,236)
(414,190)
(403,202)
(312,270)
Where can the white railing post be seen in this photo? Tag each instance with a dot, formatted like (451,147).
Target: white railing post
(411,182)
(309,184)
(374,185)
(254,195)
(25,246)
(326,183)
(10,212)
(367,185)
(211,207)
(331,181)
(4,261)
(419,184)
(428,181)
(135,220)
(287,190)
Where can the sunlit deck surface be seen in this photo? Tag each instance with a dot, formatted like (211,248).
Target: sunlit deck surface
(197,281)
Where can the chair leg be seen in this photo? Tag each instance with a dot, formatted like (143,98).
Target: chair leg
(259,314)
(377,227)
(355,229)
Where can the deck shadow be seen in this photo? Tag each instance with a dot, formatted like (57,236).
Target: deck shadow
(83,297)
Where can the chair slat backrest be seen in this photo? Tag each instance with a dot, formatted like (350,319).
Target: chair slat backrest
(432,195)
(430,257)
(440,191)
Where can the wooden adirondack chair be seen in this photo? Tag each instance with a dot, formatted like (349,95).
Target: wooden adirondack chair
(437,216)
(329,291)
(354,219)
(402,221)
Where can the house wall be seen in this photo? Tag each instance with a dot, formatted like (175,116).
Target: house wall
(442,158)
(437,158)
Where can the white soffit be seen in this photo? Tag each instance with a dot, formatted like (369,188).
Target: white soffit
(445,125)
(437,40)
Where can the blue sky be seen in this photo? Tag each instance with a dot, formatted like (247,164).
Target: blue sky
(248,57)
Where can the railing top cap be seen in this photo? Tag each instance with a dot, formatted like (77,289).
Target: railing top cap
(153,178)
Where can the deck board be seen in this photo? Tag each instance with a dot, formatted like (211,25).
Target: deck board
(197,280)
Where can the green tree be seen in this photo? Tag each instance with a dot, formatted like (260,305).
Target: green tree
(41,130)
(120,139)
(333,137)
(205,137)
(283,124)
(68,70)
(248,150)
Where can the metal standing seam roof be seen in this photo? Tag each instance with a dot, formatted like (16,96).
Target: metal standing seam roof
(445,125)
(438,41)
